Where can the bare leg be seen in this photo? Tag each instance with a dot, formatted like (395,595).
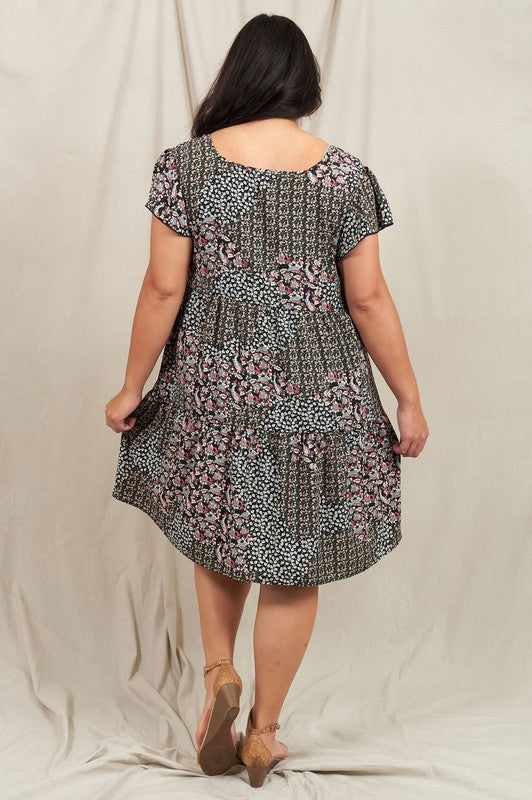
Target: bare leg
(221,602)
(283,626)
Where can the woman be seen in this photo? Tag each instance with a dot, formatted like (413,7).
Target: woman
(263,451)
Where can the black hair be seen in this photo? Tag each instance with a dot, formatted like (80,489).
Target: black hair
(269,71)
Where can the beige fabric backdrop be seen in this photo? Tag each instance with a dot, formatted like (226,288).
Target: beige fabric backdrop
(416,683)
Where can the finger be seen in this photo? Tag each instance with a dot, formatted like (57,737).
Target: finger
(418,448)
(117,427)
(404,445)
(411,448)
(122,427)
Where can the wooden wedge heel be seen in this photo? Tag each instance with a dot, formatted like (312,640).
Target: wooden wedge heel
(255,755)
(217,753)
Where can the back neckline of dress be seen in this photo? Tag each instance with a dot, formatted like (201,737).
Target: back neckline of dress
(323,159)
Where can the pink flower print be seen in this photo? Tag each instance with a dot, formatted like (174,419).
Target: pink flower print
(307,446)
(301,284)
(344,396)
(333,172)
(250,441)
(216,252)
(214,383)
(232,538)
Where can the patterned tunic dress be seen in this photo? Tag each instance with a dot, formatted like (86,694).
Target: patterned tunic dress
(263,451)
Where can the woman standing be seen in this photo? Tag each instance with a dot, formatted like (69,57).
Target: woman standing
(263,451)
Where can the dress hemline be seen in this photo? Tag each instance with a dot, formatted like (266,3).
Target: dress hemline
(157,515)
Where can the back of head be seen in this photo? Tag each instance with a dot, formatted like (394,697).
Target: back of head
(269,71)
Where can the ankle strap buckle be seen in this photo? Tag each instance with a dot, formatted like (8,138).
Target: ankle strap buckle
(267,728)
(207,669)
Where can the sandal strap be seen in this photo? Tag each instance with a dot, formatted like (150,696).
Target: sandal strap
(257,731)
(207,668)
(266,729)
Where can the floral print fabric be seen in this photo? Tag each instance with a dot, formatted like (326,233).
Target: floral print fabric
(263,451)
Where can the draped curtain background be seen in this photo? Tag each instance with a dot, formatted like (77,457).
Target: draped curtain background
(416,683)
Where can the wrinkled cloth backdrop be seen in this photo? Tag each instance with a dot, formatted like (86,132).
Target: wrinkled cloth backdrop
(417,681)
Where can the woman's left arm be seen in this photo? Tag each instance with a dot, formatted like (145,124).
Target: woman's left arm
(159,301)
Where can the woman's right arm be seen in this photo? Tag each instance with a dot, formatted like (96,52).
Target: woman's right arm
(373,311)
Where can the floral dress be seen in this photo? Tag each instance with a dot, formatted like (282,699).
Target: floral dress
(263,451)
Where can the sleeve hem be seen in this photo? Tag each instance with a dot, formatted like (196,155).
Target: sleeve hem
(375,229)
(158,212)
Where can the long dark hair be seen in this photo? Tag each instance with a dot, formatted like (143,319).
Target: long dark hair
(269,71)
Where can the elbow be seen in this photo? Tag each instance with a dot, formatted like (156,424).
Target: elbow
(160,291)
(365,303)
(162,294)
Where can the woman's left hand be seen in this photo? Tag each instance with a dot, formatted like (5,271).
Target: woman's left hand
(119,408)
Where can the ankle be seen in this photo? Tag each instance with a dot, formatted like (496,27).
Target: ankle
(210,676)
(258,719)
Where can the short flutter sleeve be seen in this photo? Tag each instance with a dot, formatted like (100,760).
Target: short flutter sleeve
(367,212)
(166,199)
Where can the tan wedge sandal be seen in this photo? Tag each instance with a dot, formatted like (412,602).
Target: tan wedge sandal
(255,755)
(217,752)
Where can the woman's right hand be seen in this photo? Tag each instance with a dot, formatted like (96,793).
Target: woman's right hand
(119,409)
(413,429)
